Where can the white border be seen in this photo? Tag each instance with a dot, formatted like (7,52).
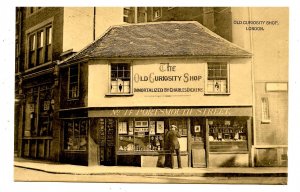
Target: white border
(7,23)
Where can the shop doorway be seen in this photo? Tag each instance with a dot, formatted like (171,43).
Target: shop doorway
(198,142)
(107,134)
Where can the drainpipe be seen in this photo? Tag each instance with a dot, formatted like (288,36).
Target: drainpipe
(253,92)
(94,24)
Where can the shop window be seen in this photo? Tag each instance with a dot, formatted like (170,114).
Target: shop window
(75,135)
(39,111)
(265,110)
(217,78)
(73,82)
(40,46)
(148,134)
(181,124)
(222,129)
(141,134)
(120,82)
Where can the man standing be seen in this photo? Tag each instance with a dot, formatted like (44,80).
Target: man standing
(172,137)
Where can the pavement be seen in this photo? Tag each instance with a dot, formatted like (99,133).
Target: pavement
(59,168)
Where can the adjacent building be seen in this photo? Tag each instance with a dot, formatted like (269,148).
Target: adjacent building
(44,37)
(268,43)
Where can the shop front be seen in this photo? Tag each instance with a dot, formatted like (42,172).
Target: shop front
(210,136)
(128,99)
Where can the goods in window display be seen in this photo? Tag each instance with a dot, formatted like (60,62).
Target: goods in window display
(197,128)
(227,131)
(160,127)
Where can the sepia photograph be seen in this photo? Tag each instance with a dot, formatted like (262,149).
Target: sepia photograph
(151,95)
(83,73)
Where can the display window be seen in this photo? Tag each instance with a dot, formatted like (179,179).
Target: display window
(141,134)
(227,129)
(39,112)
(75,135)
(181,124)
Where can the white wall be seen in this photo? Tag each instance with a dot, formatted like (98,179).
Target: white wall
(240,85)
(78,24)
(270,46)
(78,28)
(106,17)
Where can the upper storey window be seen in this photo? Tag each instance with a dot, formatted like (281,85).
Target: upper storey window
(217,78)
(40,46)
(120,81)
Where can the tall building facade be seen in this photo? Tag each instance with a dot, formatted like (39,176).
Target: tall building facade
(216,19)
(44,37)
(269,44)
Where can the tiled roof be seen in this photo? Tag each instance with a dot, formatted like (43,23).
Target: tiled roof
(159,39)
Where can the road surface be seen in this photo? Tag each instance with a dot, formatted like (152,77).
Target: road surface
(22,174)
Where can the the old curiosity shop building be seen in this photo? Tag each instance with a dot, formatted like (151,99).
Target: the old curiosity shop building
(120,94)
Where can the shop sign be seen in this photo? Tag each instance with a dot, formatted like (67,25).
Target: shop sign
(171,112)
(168,78)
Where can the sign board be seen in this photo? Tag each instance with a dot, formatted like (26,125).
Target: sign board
(171,112)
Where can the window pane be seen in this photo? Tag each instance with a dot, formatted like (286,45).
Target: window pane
(114,67)
(127,74)
(49,35)
(68,135)
(32,42)
(224,73)
(73,82)
(40,39)
(217,73)
(113,75)
(48,53)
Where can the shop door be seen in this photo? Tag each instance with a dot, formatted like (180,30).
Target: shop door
(198,149)
(107,141)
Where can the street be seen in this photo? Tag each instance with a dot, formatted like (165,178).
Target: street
(22,174)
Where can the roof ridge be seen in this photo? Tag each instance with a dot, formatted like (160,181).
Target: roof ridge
(152,23)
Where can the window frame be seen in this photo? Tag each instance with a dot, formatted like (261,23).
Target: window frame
(79,136)
(40,116)
(39,53)
(78,82)
(109,93)
(206,92)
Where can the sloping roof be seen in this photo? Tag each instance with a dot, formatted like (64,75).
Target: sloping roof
(180,38)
